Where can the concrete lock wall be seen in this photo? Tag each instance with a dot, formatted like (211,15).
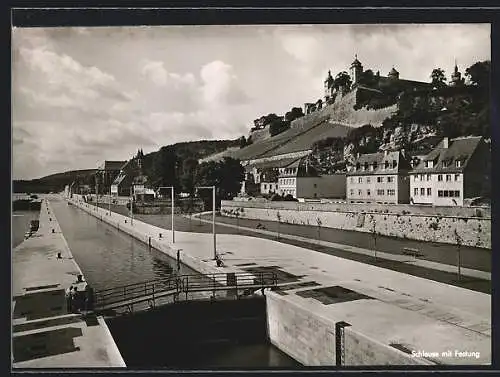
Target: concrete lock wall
(361,350)
(404,221)
(310,338)
(306,337)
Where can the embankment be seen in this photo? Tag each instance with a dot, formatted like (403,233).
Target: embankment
(432,224)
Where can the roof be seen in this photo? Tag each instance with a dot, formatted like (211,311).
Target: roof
(368,159)
(303,169)
(393,71)
(459,149)
(274,164)
(118,180)
(356,62)
(112,165)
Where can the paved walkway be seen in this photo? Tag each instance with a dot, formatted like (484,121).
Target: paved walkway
(417,312)
(441,272)
(45,334)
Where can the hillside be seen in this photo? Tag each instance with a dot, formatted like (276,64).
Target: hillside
(183,151)
(53,182)
(391,115)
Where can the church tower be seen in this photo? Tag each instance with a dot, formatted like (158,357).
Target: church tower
(456,77)
(356,70)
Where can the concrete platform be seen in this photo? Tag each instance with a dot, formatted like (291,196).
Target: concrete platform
(44,334)
(392,307)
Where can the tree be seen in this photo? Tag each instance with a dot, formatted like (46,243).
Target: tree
(438,78)
(164,167)
(226,175)
(342,81)
(294,113)
(368,79)
(479,74)
(278,126)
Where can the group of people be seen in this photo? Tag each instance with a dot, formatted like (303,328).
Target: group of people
(78,300)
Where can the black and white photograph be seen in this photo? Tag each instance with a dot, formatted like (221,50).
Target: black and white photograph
(267,196)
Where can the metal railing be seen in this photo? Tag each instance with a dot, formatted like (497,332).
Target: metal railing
(177,286)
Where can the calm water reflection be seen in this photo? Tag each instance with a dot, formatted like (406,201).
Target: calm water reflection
(107,256)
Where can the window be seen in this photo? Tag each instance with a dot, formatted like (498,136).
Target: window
(390,179)
(415,191)
(421,177)
(428,177)
(394,164)
(368,180)
(448,177)
(391,192)
(386,165)
(422,191)
(368,192)
(315,185)
(380,192)
(375,165)
(352,179)
(440,177)
(457,177)
(440,193)
(457,194)
(366,165)
(357,166)
(380,179)
(265,186)
(429,164)
(446,163)
(458,163)
(352,192)
(429,191)
(360,192)
(446,192)
(360,180)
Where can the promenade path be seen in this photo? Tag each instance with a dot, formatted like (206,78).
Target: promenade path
(399,308)
(45,334)
(347,244)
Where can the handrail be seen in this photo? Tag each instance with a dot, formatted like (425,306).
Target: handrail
(177,284)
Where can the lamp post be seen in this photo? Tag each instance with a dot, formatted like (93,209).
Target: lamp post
(172,199)
(213,216)
(131,207)
(109,200)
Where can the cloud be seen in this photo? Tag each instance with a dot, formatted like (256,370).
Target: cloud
(220,84)
(304,48)
(84,95)
(156,72)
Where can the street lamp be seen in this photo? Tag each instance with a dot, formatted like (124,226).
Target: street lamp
(213,216)
(172,199)
(131,207)
(109,200)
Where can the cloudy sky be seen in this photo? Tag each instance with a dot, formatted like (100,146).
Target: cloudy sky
(83,95)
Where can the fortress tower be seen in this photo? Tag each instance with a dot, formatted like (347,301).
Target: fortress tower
(356,70)
(393,74)
(329,86)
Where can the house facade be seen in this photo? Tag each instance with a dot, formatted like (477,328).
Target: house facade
(300,180)
(130,180)
(106,174)
(455,170)
(379,178)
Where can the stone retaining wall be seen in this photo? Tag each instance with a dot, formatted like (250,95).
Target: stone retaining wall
(310,338)
(433,224)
